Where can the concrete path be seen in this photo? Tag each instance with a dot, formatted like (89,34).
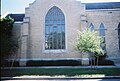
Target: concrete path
(49,78)
(70,80)
(116,66)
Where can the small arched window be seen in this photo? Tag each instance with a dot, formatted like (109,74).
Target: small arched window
(102,34)
(102,30)
(119,34)
(54,29)
(91,27)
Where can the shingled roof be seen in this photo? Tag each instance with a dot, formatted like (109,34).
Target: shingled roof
(16,17)
(107,5)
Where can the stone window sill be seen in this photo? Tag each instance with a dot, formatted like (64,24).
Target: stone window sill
(55,51)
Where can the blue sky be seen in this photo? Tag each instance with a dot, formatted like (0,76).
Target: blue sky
(18,6)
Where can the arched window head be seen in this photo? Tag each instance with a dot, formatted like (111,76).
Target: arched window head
(91,27)
(102,30)
(54,29)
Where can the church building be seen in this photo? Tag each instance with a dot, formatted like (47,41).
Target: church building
(49,29)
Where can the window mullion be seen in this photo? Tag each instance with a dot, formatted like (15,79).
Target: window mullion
(52,37)
(57,33)
(61,36)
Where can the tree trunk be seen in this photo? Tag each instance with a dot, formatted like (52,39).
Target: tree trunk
(97,60)
(91,62)
(12,62)
(94,62)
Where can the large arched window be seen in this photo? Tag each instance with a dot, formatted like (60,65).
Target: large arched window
(54,29)
(91,27)
(119,34)
(102,34)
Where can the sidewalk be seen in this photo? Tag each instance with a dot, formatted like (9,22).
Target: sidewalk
(116,66)
(58,77)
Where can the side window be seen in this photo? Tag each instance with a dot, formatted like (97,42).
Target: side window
(91,27)
(119,35)
(102,34)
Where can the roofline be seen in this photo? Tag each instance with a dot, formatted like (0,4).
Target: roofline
(99,2)
(8,13)
(16,13)
(103,10)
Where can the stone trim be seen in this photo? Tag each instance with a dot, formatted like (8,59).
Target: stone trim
(55,51)
(47,59)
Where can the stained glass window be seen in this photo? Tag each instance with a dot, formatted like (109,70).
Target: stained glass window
(54,29)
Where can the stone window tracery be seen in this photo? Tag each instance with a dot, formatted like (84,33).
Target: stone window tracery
(54,29)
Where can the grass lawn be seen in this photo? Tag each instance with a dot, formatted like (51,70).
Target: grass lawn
(60,71)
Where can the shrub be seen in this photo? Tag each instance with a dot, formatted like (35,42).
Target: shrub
(104,62)
(6,63)
(54,63)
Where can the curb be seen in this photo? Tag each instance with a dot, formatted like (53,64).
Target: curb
(57,78)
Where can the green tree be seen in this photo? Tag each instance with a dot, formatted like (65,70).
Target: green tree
(89,42)
(7,44)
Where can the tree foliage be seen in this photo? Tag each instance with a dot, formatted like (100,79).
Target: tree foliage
(7,44)
(89,42)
